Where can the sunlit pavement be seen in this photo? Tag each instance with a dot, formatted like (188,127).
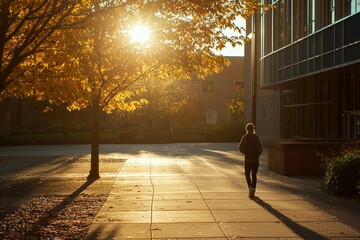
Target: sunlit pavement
(183,191)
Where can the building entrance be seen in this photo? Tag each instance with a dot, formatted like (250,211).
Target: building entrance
(354,125)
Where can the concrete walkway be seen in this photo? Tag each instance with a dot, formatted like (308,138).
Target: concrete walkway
(185,191)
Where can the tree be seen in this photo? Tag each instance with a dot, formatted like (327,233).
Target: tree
(96,65)
(167,99)
(236,104)
(27,27)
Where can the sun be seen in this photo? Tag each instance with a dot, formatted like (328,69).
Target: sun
(140,34)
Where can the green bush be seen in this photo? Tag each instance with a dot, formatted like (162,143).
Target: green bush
(231,128)
(342,173)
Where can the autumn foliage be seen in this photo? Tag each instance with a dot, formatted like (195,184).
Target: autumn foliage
(79,52)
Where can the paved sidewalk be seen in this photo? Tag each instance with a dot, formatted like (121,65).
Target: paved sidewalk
(184,191)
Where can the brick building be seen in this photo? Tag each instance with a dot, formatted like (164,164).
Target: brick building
(217,90)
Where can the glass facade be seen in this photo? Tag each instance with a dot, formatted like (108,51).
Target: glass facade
(322,106)
(335,45)
(305,108)
(310,52)
(292,20)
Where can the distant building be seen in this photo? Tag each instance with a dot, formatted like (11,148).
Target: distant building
(217,90)
(211,98)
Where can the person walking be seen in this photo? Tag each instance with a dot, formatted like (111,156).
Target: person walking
(251,146)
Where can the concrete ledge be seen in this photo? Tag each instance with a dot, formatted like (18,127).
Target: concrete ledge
(291,158)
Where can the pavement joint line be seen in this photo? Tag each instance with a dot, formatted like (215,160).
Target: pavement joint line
(207,204)
(233,212)
(40,175)
(304,200)
(278,187)
(211,166)
(152,197)
(110,189)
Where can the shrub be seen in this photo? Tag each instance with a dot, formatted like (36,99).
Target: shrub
(232,128)
(342,172)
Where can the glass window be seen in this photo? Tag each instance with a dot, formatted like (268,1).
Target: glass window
(300,21)
(331,11)
(320,9)
(267,29)
(306,108)
(347,7)
(352,7)
(308,121)
(207,86)
(296,14)
(279,25)
(356,6)
(287,21)
(311,27)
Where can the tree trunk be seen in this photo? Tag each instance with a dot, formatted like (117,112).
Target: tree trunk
(65,121)
(94,170)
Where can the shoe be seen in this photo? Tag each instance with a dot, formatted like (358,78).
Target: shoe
(252,193)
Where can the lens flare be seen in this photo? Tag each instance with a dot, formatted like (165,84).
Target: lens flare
(140,34)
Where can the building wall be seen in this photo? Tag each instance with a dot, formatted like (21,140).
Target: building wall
(224,90)
(267,107)
(247,76)
(308,80)
(268,115)
(310,67)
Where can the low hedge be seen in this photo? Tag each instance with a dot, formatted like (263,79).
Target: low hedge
(342,172)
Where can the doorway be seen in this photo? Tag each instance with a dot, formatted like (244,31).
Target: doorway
(354,125)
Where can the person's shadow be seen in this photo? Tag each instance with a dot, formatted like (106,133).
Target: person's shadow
(300,230)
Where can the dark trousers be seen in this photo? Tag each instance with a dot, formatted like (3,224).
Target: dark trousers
(251,168)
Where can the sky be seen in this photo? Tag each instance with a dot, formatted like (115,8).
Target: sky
(229,50)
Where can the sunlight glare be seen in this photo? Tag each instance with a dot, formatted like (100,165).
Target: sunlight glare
(140,34)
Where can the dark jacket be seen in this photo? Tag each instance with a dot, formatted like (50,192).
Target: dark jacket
(250,145)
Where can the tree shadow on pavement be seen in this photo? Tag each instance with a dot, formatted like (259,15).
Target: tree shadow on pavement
(102,231)
(64,203)
(62,216)
(21,176)
(300,230)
